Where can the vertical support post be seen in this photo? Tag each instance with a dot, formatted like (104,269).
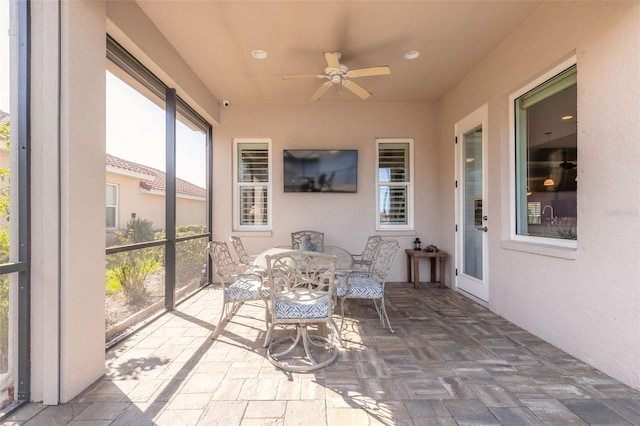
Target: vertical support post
(209,197)
(170,200)
(24,207)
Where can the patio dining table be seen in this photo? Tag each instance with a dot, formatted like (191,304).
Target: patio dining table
(344,259)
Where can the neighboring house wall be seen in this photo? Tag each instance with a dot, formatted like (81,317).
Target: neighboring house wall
(137,197)
(590,306)
(190,211)
(5,157)
(132,199)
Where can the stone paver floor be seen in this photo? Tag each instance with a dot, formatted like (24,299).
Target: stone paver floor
(450,362)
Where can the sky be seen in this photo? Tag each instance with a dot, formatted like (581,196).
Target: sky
(135,132)
(135,126)
(4,55)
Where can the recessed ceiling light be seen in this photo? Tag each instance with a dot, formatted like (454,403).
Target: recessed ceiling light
(259,54)
(567,117)
(412,54)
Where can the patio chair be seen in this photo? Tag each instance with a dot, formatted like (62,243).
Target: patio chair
(237,288)
(364,260)
(243,257)
(302,288)
(307,240)
(370,285)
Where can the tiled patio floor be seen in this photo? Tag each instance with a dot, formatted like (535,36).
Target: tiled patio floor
(450,362)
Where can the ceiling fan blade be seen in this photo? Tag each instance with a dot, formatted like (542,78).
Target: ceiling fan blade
(371,71)
(332,60)
(356,88)
(289,77)
(321,91)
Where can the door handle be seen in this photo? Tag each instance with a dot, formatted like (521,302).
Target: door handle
(485,229)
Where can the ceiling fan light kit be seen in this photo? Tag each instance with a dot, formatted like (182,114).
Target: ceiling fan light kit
(259,54)
(412,54)
(338,73)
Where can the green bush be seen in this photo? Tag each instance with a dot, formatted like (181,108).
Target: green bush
(184,230)
(128,271)
(131,270)
(4,256)
(138,231)
(191,255)
(112,284)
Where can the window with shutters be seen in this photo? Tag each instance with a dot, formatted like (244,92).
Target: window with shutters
(394,190)
(252,195)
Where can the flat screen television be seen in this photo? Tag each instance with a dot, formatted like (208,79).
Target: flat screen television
(320,170)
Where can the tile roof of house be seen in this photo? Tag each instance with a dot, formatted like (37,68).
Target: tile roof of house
(4,118)
(156,181)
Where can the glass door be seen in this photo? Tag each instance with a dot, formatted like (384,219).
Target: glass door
(472,220)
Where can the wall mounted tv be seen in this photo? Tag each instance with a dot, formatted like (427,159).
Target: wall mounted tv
(320,170)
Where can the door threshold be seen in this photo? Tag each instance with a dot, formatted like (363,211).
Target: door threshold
(476,299)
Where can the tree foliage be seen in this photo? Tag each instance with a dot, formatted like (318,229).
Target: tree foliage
(4,253)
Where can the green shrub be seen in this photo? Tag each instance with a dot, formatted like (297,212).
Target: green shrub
(191,255)
(138,231)
(128,271)
(131,270)
(112,284)
(4,256)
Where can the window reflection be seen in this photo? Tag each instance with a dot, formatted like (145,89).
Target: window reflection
(547,165)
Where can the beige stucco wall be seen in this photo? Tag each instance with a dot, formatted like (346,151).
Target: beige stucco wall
(67,196)
(151,205)
(346,219)
(589,306)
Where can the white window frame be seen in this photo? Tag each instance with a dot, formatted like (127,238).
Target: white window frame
(114,206)
(408,184)
(514,237)
(238,185)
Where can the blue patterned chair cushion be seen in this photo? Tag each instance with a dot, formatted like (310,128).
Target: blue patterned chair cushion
(245,288)
(360,286)
(301,304)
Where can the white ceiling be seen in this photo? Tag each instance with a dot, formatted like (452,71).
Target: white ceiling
(216,39)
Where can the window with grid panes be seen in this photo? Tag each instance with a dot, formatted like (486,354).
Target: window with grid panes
(394,191)
(112,206)
(252,207)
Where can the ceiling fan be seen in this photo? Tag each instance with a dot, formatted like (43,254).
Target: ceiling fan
(337,73)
